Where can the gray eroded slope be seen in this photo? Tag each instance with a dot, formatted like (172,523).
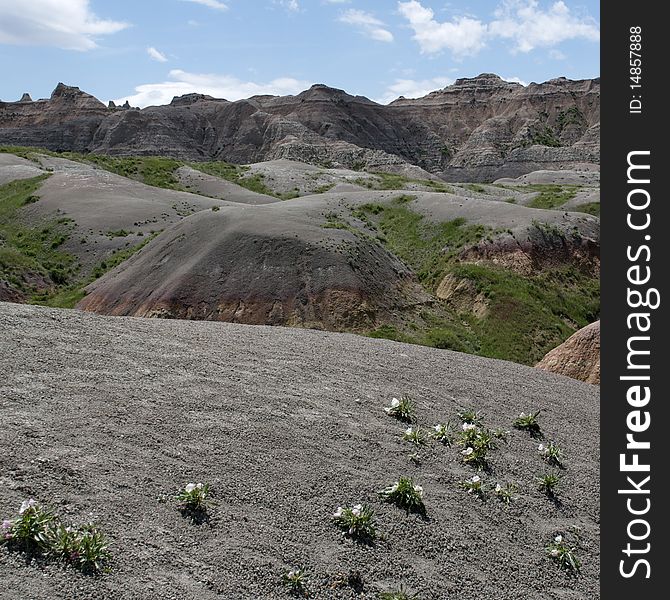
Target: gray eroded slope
(103,415)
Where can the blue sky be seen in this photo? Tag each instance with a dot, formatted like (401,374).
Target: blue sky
(150,50)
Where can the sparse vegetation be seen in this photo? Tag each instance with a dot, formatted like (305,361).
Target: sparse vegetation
(528,422)
(563,554)
(415,435)
(401,408)
(549,483)
(38,531)
(194,497)
(551,453)
(295,580)
(590,208)
(405,494)
(475,486)
(506,492)
(443,432)
(356,522)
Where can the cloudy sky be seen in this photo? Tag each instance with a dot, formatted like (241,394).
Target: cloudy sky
(148,51)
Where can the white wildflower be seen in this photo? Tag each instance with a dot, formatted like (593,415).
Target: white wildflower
(555,552)
(469,426)
(467,452)
(558,539)
(541,448)
(357,510)
(190,487)
(338,513)
(26,504)
(498,488)
(476,479)
(419,490)
(409,431)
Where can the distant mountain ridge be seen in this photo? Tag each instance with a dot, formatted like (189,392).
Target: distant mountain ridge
(477,129)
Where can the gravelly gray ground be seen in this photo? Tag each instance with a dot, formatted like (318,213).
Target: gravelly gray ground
(100,416)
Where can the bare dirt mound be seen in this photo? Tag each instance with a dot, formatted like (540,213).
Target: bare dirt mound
(13,168)
(266,266)
(103,416)
(578,357)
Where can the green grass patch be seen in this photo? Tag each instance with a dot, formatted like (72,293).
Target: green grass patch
(590,208)
(427,248)
(551,196)
(394,181)
(68,297)
(31,257)
(235,174)
(156,171)
(529,315)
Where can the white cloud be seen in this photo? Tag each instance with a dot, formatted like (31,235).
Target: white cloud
(412,88)
(290,5)
(557,54)
(464,36)
(156,54)
(523,22)
(368,24)
(220,86)
(530,27)
(515,80)
(67,24)
(215,4)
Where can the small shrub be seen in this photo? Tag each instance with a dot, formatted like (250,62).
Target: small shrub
(551,453)
(505,493)
(216,208)
(405,494)
(476,444)
(549,483)
(415,436)
(356,522)
(564,554)
(26,532)
(296,580)
(473,417)
(528,422)
(402,409)
(39,530)
(194,497)
(443,432)
(475,486)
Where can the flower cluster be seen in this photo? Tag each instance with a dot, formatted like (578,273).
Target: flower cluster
(356,522)
(475,486)
(39,530)
(414,435)
(194,497)
(506,492)
(402,409)
(551,453)
(560,551)
(405,494)
(443,432)
(529,423)
(476,442)
(296,581)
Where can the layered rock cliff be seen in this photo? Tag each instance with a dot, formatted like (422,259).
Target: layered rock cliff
(477,129)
